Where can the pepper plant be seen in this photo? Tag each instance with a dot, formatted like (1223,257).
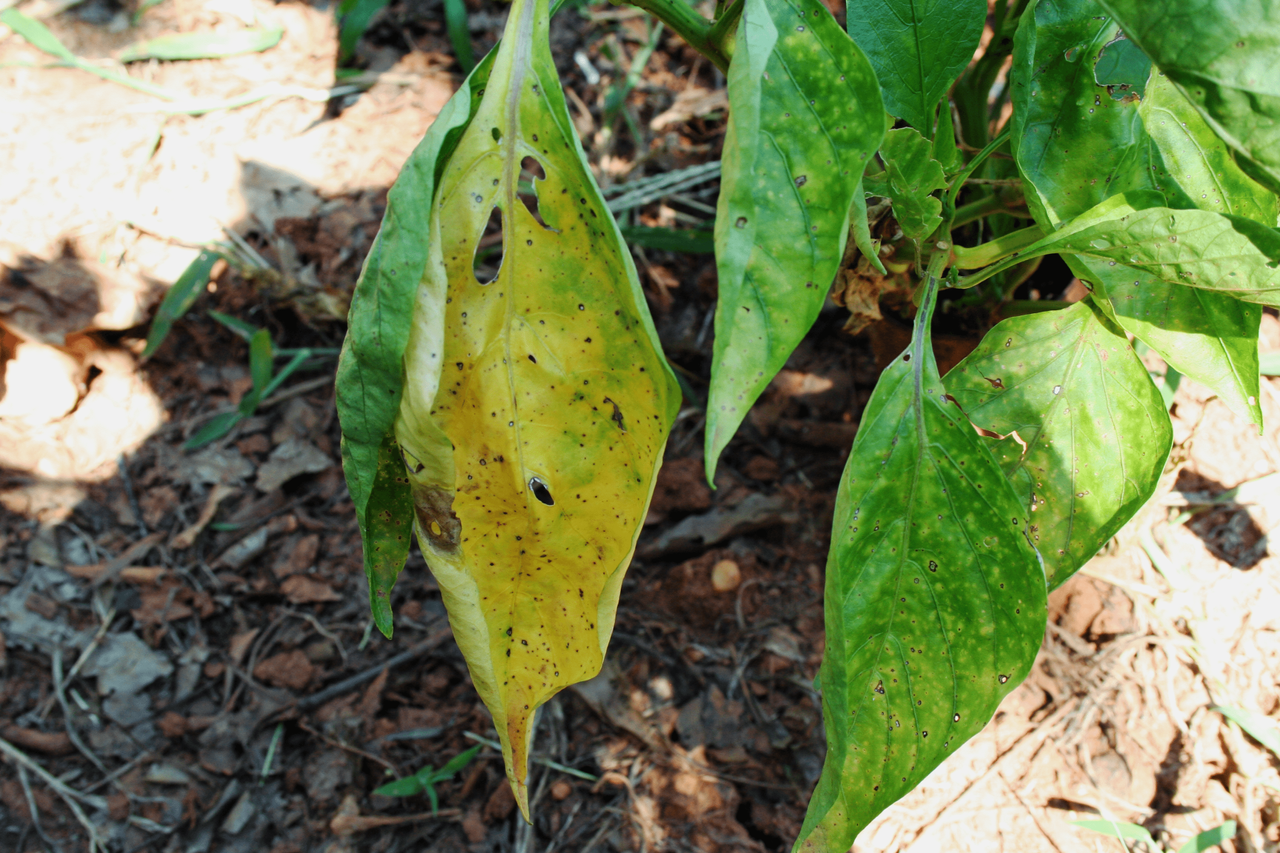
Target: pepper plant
(516,422)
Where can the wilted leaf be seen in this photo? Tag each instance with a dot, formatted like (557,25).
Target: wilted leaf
(1091,436)
(935,601)
(536,404)
(784,210)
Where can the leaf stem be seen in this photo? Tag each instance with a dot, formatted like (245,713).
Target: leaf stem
(949,202)
(692,27)
(970,258)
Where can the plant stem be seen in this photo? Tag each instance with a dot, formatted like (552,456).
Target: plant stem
(1001,247)
(722,30)
(949,203)
(996,203)
(692,27)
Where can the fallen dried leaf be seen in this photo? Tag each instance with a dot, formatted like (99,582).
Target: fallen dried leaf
(289,669)
(301,589)
(291,459)
(217,495)
(240,644)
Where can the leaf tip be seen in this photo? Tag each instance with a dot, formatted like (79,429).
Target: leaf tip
(380,604)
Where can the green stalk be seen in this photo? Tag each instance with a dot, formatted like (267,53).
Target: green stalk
(692,27)
(1009,245)
(949,202)
(998,202)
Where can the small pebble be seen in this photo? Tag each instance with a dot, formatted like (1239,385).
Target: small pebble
(725,576)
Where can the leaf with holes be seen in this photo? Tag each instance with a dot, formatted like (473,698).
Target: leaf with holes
(537,402)
(1083,94)
(1222,55)
(1085,430)
(804,117)
(935,600)
(918,48)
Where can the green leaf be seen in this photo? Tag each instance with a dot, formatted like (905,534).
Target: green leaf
(203,45)
(261,366)
(455,19)
(1260,727)
(36,33)
(535,405)
(455,764)
(371,367)
(1221,54)
(804,118)
(215,429)
(698,242)
(1197,161)
(241,328)
(917,48)
(299,358)
(354,17)
(39,36)
(1222,254)
(862,230)
(1074,144)
(1117,829)
(1065,116)
(1210,838)
(406,787)
(179,299)
(911,177)
(385,530)
(935,601)
(1092,430)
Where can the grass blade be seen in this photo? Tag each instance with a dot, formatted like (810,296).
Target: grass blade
(213,430)
(1117,829)
(455,20)
(178,301)
(1210,838)
(182,46)
(1260,727)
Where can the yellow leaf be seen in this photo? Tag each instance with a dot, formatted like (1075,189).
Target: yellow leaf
(536,406)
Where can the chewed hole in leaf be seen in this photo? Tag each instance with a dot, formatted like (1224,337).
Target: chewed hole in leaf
(540,491)
(531,172)
(490,248)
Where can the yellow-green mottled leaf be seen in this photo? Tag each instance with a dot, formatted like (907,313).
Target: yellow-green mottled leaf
(536,404)
(934,599)
(804,118)
(1087,434)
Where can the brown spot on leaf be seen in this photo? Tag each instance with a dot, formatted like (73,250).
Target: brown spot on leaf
(436,520)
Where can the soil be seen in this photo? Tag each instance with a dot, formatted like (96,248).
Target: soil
(187,661)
